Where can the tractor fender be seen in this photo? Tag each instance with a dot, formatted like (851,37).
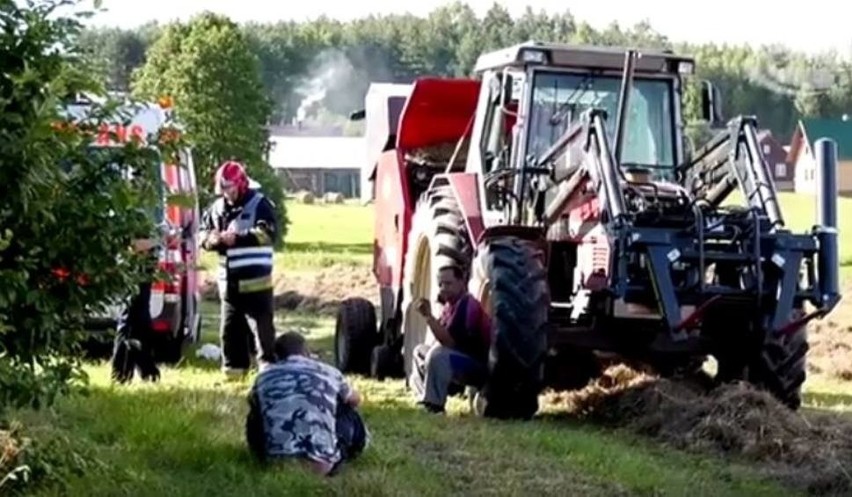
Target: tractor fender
(465,187)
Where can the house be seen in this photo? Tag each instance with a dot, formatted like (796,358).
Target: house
(801,155)
(319,164)
(776,157)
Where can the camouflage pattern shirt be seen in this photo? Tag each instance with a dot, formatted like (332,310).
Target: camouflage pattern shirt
(298,401)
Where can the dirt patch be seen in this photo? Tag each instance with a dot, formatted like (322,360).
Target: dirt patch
(315,292)
(830,339)
(810,452)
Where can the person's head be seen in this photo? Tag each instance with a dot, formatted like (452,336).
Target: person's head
(451,284)
(290,344)
(231,181)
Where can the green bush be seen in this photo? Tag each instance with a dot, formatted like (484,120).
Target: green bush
(67,215)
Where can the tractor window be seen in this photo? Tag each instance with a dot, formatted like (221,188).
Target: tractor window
(560,98)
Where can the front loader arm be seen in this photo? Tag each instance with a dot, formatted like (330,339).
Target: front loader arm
(730,159)
(589,156)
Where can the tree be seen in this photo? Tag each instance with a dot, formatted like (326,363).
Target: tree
(208,68)
(68,213)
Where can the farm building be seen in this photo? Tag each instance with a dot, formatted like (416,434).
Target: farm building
(801,155)
(776,157)
(319,164)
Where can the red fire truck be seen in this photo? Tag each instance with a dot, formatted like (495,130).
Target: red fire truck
(174,300)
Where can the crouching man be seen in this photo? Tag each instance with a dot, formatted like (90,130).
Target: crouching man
(302,409)
(463,332)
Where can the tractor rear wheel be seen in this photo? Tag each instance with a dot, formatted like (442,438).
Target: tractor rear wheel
(438,239)
(510,280)
(355,335)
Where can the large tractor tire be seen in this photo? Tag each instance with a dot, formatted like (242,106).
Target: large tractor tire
(355,335)
(510,280)
(780,367)
(776,363)
(438,238)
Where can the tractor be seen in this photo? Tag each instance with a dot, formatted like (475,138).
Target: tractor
(560,180)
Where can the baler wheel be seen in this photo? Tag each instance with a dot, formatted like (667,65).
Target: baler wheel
(355,335)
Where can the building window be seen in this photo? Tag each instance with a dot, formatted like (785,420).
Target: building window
(766,149)
(780,170)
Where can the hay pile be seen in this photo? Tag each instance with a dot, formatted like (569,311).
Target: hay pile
(305,197)
(333,198)
(734,420)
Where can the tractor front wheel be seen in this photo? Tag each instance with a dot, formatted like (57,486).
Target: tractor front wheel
(510,280)
(780,368)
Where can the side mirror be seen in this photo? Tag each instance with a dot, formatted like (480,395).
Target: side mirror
(711,104)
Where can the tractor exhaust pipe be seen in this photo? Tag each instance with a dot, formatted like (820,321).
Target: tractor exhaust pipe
(623,104)
(828,260)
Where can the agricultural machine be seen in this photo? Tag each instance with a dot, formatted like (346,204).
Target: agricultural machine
(561,181)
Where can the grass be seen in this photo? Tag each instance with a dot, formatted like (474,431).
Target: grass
(321,236)
(183,437)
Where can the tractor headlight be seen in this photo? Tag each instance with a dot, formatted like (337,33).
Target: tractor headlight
(685,67)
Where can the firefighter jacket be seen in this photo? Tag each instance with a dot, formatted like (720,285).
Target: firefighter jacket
(246,266)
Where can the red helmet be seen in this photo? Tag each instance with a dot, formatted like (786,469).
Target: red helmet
(231,173)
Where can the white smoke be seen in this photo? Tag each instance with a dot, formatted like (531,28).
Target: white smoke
(776,75)
(329,67)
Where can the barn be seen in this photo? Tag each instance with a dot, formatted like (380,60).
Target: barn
(319,164)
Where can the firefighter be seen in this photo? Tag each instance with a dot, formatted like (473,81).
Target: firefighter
(134,330)
(240,226)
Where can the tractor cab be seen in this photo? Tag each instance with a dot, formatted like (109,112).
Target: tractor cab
(533,93)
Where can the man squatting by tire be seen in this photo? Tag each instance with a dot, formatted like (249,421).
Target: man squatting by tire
(240,226)
(460,357)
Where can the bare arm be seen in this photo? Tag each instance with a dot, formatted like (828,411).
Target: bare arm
(440,332)
(354,398)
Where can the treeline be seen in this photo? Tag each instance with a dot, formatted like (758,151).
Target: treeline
(329,64)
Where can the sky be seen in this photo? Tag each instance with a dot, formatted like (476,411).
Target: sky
(820,27)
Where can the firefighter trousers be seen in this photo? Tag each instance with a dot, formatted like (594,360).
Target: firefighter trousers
(256,310)
(134,333)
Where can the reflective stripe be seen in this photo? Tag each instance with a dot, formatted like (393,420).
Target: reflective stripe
(255,261)
(237,252)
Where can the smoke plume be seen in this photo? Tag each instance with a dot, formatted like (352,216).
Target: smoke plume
(331,70)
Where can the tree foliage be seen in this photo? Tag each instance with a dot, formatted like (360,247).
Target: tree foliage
(773,83)
(207,67)
(68,212)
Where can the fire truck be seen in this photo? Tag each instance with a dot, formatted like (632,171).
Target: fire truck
(175,299)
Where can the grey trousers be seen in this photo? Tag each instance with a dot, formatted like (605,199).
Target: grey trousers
(437,367)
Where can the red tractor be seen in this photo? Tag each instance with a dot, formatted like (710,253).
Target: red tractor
(560,181)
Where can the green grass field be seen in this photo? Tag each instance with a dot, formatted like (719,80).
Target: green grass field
(183,436)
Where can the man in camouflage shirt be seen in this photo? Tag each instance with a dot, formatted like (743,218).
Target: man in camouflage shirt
(301,408)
